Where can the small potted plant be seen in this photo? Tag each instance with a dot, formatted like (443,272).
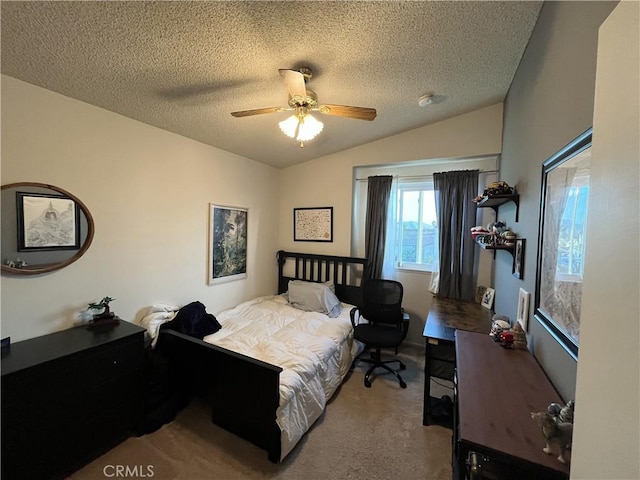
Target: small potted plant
(105,315)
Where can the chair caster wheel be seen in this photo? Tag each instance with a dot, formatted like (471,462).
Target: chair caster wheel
(403,385)
(367,383)
(403,366)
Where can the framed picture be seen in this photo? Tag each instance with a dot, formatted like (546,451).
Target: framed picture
(47,222)
(487,298)
(522,314)
(564,216)
(227,243)
(313,224)
(518,259)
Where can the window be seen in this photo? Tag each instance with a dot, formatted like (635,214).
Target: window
(417,226)
(412,240)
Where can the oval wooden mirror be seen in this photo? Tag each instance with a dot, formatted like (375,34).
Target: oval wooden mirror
(44,228)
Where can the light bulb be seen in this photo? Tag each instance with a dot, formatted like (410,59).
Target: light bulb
(309,128)
(289,126)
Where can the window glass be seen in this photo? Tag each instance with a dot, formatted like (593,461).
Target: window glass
(573,226)
(417,226)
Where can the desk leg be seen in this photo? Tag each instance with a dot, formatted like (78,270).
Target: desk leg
(426,410)
(460,461)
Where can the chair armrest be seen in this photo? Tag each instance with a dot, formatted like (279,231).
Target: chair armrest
(405,324)
(352,314)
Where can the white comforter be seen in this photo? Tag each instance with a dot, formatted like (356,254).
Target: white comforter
(315,352)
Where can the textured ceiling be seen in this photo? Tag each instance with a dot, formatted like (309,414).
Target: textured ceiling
(184,66)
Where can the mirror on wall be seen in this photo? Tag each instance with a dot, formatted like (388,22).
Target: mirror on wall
(44,228)
(562,241)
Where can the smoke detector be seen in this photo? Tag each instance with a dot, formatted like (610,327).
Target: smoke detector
(425,100)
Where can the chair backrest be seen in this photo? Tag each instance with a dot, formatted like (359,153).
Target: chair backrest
(382,301)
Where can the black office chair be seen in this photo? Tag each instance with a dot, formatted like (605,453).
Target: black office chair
(380,323)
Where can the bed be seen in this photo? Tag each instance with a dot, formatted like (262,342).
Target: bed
(271,394)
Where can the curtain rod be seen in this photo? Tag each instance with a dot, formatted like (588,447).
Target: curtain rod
(422,176)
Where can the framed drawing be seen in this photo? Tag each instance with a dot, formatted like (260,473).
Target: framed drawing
(487,298)
(227,243)
(518,259)
(562,239)
(313,224)
(47,222)
(522,314)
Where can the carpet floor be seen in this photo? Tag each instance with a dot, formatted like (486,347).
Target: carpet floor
(365,433)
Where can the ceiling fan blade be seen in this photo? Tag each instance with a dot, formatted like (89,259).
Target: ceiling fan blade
(295,82)
(359,113)
(258,111)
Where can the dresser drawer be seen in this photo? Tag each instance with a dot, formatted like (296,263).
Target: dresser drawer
(111,363)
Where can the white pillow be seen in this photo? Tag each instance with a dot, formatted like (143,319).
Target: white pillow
(314,297)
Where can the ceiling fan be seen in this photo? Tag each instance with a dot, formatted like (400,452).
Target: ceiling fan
(302,101)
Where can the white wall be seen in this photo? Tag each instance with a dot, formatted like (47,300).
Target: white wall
(148,191)
(329,181)
(608,387)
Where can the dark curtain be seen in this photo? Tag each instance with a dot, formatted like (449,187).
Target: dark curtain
(454,194)
(378,191)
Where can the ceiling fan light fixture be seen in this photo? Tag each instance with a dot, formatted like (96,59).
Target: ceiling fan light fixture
(309,128)
(301,127)
(289,126)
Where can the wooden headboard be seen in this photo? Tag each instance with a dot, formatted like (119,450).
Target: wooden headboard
(346,273)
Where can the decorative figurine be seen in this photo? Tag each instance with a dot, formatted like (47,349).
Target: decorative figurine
(560,413)
(497,327)
(555,433)
(106,316)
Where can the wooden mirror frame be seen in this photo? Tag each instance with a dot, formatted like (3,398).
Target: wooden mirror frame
(54,266)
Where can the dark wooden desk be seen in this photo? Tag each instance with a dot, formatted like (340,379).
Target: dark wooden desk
(496,390)
(445,317)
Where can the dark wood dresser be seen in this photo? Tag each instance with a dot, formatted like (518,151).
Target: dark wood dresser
(496,390)
(68,397)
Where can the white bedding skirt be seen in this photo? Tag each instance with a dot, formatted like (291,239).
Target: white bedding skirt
(314,351)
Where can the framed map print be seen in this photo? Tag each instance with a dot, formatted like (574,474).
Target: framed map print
(313,224)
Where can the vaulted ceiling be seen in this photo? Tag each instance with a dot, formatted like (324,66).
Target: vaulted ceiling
(185,66)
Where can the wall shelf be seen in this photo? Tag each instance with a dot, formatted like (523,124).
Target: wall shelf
(508,248)
(494,202)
